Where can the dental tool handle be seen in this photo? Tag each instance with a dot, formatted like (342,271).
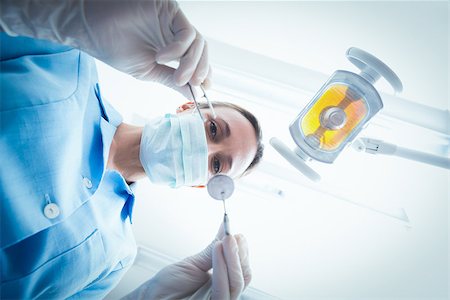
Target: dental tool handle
(226,224)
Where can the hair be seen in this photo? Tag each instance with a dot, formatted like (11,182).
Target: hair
(255,124)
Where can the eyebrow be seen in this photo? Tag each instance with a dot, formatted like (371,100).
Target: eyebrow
(227,127)
(230,162)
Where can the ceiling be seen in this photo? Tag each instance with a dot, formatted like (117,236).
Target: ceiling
(410,36)
(374,227)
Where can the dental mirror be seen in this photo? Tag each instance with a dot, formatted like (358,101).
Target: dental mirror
(220,187)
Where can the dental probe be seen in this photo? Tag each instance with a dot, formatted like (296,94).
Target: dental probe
(226,222)
(221,187)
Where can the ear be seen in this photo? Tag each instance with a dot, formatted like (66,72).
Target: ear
(185,106)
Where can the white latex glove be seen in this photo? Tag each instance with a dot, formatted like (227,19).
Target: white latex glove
(136,37)
(190,279)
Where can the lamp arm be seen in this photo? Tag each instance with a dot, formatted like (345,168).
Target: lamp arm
(374,146)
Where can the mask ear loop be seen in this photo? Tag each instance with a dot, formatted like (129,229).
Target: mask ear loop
(195,102)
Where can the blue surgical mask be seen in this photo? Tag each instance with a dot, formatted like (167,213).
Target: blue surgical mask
(174,151)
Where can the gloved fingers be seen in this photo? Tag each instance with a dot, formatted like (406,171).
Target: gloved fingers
(207,83)
(221,232)
(235,277)
(203,260)
(161,74)
(189,62)
(184,35)
(220,285)
(202,69)
(244,259)
(205,257)
(164,75)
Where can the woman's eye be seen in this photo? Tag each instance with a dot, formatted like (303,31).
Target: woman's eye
(216,165)
(213,129)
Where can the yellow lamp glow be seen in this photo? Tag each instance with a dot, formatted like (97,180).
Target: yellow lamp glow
(337,112)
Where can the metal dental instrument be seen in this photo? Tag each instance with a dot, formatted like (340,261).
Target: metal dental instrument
(209,102)
(197,106)
(195,102)
(221,187)
(226,222)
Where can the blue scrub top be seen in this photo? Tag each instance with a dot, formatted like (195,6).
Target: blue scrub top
(65,218)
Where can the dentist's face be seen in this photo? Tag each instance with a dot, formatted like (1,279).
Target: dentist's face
(231,141)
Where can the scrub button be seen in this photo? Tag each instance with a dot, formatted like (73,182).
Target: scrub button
(51,210)
(87,183)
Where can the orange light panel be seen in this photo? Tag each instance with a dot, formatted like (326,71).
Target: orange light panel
(347,99)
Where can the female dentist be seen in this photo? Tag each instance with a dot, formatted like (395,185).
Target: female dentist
(65,217)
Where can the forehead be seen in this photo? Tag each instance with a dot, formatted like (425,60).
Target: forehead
(233,117)
(229,113)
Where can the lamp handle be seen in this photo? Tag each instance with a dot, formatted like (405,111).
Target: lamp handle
(373,68)
(294,159)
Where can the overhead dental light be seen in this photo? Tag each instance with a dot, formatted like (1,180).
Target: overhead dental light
(337,113)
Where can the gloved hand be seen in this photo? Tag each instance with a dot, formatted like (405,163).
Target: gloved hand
(190,279)
(136,37)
